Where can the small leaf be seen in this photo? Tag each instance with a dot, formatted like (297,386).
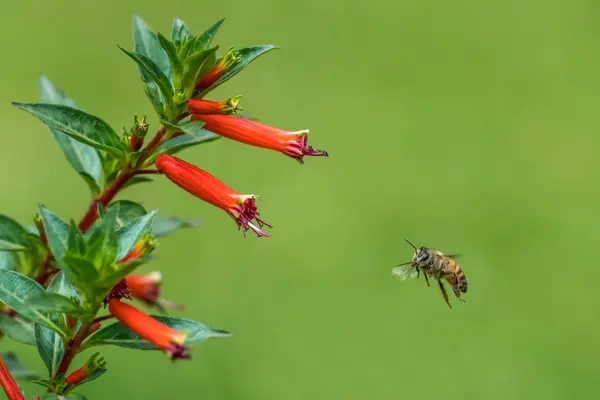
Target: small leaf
(155,75)
(102,240)
(53,302)
(206,38)
(13,237)
(75,241)
(62,286)
(18,328)
(130,234)
(50,346)
(118,335)
(146,44)
(197,64)
(127,211)
(247,55)
(83,158)
(95,375)
(78,124)
(57,232)
(16,369)
(193,135)
(171,51)
(180,32)
(15,289)
(80,271)
(8,260)
(164,225)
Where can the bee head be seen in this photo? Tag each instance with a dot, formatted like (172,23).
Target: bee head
(421,256)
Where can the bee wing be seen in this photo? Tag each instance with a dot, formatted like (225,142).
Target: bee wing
(404,271)
(452,255)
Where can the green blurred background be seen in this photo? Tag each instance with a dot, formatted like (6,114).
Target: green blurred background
(471,126)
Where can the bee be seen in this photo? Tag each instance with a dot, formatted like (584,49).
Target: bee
(439,266)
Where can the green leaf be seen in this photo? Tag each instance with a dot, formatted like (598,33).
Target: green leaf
(8,260)
(180,32)
(146,44)
(130,234)
(54,302)
(164,225)
(75,241)
(50,346)
(154,74)
(62,286)
(95,375)
(247,55)
(171,51)
(83,158)
(15,289)
(18,328)
(80,272)
(57,232)
(13,237)
(206,38)
(16,369)
(118,335)
(126,211)
(193,135)
(78,124)
(196,65)
(102,241)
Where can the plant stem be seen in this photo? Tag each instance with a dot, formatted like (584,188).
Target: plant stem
(8,383)
(72,349)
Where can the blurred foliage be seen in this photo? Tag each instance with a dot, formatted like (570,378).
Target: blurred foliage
(470,126)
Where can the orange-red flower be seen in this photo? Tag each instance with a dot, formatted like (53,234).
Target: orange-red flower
(147,289)
(241,207)
(229,60)
(293,144)
(8,383)
(93,365)
(229,106)
(170,341)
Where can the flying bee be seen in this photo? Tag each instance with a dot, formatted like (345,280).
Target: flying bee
(437,265)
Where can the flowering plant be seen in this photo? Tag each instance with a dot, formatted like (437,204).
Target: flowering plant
(65,286)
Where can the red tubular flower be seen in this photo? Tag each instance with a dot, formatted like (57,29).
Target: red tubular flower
(241,207)
(91,366)
(293,144)
(141,248)
(229,106)
(229,60)
(147,289)
(170,341)
(8,383)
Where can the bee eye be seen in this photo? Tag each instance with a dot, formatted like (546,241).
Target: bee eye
(424,256)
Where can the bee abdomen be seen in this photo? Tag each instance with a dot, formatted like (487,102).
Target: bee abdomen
(462,280)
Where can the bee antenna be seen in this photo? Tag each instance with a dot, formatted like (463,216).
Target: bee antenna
(413,246)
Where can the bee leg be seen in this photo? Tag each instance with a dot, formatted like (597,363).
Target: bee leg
(426,279)
(456,289)
(418,272)
(444,293)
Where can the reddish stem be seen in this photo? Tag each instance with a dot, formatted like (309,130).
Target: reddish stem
(8,383)
(72,349)
(147,172)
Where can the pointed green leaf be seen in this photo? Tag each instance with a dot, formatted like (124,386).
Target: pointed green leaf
(197,64)
(146,44)
(193,135)
(8,260)
(78,124)
(164,225)
(102,241)
(247,55)
(95,375)
(16,369)
(171,51)
(80,272)
(15,289)
(75,241)
(118,335)
(180,32)
(57,232)
(206,38)
(154,75)
(130,234)
(18,328)
(53,302)
(83,158)
(50,346)
(13,237)
(62,286)
(126,211)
